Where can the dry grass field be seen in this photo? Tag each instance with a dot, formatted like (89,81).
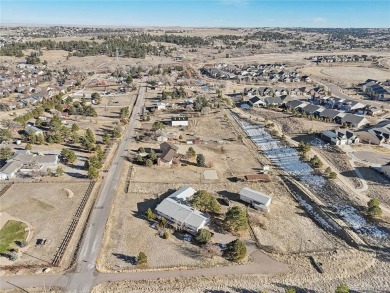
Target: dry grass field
(129,233)
(47,208)
(291,125)
(351,267)
(348,74)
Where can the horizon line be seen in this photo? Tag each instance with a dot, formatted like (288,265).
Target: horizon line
(179,26)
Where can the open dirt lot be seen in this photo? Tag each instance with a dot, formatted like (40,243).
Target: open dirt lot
(49,211)
(226,160)
(292,125)
(349,266)
(340,160)
(276,231)
(378,184)
(348,74)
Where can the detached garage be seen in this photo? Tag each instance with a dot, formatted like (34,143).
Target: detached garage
(258,200)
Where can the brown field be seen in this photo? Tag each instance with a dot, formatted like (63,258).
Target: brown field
(348,74)
(46,207)
(276,230)
(351,267)
(133,234)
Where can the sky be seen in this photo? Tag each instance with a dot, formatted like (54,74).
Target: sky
(199,13)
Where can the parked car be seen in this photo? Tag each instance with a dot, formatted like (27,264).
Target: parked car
(222,246)
(187,237)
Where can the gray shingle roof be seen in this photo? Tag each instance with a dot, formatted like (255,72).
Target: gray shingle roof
(256,196)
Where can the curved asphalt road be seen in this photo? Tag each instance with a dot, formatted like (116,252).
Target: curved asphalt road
(336,90)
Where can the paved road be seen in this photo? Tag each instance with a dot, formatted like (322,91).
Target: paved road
(372,158)
(261,265)
(82,279)
(336,90)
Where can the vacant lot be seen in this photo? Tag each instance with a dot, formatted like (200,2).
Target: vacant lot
(340,161)
(48,209)
(226,159)
(348,74)
(351,267)
(277,229)
(291,125)
(378,184)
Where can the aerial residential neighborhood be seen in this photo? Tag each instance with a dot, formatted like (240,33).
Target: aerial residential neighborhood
(240,154)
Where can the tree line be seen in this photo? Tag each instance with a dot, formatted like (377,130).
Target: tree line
(136,46)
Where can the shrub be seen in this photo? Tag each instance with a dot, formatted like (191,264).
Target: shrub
(206,202)
(148,163)
(373,208)
(236,219)
(200,160)
(149,214)
(142,259)
(203,236)
(236,250)
(316,162)
(342,288)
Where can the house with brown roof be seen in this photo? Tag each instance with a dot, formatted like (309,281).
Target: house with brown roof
(168,152)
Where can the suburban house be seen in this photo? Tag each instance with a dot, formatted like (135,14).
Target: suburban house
(31,129)
(375,91)
(27,164)
(168,152)
(273,101)
(328,114)
(179,121)
(296,104)
(256,102)
(258,200)
(176,209)
(352,120)
(373,110)
(311,109)
(161,106)
(386,169)
(378,134)
(340,137)
(9,170)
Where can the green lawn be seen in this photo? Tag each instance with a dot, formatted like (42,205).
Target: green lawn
(11,232)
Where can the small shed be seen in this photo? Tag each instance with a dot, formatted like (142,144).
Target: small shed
(258,200)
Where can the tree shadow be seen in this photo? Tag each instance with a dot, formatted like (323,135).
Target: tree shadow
(189,251)
(229,195)
(187,162)
(241,290)
(126,258)
(297,289)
